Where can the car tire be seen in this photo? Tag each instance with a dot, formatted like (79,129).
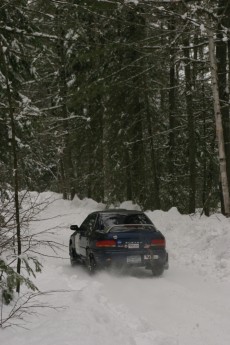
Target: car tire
(90,263)
(157,271)
(73,260)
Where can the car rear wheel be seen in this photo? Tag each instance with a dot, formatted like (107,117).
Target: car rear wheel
(73,261)
(90,263)
(157,271)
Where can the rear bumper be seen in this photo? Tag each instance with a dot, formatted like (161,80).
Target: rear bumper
(148,259)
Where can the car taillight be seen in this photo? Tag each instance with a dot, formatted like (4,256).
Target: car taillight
(106,243)
(158,243)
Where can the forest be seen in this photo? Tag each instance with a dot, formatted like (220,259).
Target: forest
(117,100)
(112,100)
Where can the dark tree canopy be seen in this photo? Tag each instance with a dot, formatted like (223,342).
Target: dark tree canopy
(113,100)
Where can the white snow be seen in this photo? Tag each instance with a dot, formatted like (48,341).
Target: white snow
(202,28)
(188,305)
(135,2)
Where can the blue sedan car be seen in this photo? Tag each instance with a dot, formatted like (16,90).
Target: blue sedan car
(116,238)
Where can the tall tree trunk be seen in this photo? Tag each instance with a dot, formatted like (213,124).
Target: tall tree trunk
(219,126)
(222,60)
(191,129)
(107,170)
(155,196)
(63,92)
(138,163)
(129,194)
(172,114)
(205,191)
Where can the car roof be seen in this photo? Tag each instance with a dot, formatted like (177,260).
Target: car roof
(118,211)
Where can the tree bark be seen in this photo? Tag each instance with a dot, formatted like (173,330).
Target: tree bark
(191,130)
(222,60)
(172,115)
(107,170)
(219,126)
(63,91)
(155,197)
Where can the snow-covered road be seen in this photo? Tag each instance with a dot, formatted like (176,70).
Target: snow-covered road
(188,305)
(181,305)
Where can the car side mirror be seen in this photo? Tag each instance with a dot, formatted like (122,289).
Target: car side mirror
(74,227)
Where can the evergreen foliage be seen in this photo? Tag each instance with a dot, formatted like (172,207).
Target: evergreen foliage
(112,100)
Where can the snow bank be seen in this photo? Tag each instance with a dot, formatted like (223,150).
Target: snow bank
(128,205)
(179,308)
(200,242)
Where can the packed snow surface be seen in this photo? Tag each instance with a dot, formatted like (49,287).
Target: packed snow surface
(188,305)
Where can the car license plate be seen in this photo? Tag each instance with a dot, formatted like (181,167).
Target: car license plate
(133,245)
(134,259)
(147,257)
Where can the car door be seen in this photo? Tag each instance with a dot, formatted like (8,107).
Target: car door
(86,228)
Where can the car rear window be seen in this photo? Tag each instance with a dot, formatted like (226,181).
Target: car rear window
(109,220)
